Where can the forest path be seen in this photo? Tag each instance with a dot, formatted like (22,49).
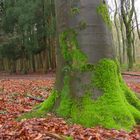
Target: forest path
(133,77)
(133,81)
(50,76)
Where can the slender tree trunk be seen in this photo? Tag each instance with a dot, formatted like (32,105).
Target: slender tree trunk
(127,14)
(133,44)
(33,63)
(137,24)
(118,33)
(129,48)
(123,39)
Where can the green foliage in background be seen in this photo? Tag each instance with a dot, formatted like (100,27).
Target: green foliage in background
(25,25)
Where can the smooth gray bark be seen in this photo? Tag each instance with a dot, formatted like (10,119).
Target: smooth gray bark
(95,40)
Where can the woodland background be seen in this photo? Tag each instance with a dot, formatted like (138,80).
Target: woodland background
(28,35)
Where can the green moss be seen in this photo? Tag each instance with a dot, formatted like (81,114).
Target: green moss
(69,138)
(70,50)
(75,11)
(65,100)
(105,73)
(111,110)
(82,25)
(129,95)
(103,112)
(103,11)
(48,104)
(33,114)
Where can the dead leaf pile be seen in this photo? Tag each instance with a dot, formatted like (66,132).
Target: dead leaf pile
(55,128)
(14,98)
(14,101)
(133,82)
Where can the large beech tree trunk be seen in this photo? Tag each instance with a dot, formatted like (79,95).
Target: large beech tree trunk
(95,40)
(89,89)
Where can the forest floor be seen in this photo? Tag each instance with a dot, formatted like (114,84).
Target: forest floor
(17,94)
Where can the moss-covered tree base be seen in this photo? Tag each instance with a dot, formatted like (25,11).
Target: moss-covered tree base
(117,107)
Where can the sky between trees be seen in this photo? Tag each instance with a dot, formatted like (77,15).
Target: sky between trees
(137,6)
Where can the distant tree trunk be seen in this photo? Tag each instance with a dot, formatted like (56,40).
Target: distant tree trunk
(89,89)
(33,63)
(133,44)
(137,24)
(123,38)
(118,33)
(13,66)
(127,19)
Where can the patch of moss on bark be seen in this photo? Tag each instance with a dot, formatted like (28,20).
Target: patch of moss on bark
(48,104)
(73,56)
(103,11)
(66,102)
